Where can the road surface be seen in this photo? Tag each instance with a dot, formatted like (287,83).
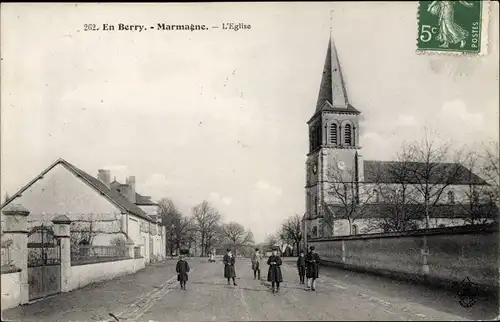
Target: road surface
(153,294)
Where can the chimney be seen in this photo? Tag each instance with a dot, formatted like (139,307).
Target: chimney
(104,176)
(131,183)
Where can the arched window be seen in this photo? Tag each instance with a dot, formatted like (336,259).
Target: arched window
(355,229)
(451,197)
(318,136)
(316,205)
(333,133)
(347,135)
(376,196)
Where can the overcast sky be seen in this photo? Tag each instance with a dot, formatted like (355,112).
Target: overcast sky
(221,115)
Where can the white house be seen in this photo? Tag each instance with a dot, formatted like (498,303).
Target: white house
(109,211)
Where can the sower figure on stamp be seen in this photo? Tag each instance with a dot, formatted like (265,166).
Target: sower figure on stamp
(256,263)
(312,268)
(449,30)
(301,266)
(229,271)
(182,270)
(274,274)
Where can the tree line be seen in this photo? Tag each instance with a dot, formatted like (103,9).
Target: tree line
(418,185)
(202,230)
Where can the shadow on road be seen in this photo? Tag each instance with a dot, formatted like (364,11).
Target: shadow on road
(439,299)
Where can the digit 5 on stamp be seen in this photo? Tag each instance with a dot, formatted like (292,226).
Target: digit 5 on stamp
(453,27)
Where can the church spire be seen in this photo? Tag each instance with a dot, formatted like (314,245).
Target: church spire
(332,88)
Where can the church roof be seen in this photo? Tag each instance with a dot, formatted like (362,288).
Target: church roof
(332,88)
(391,172)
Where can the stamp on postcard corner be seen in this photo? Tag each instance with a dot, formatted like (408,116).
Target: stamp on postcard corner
(453,27)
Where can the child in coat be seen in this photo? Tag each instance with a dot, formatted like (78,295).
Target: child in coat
(182,270)
(301,266)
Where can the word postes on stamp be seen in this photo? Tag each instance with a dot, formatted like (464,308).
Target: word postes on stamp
(455,27)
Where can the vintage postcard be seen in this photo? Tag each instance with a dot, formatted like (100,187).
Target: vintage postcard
(250,161)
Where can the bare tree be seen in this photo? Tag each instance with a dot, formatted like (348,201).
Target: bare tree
(346,199)
(291,231)
(394,196)
(271,241)
(431,172)
(171,218)
(207,221)
(237,235)
(491,170)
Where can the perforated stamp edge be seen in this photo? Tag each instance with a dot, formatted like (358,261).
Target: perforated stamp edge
(485,25)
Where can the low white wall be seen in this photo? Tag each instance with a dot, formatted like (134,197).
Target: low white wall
(82,275)
(11,290)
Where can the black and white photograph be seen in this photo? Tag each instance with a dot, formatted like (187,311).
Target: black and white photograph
(250,161)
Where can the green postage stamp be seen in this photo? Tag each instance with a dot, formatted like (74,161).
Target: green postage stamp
(453,27)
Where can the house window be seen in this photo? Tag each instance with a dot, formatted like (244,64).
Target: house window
(347,136)
(451,197)
(333,133)
(355,229)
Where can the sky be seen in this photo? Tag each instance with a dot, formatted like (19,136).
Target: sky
(220,115)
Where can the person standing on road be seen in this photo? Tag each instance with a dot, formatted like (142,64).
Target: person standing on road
(256,263)
(312,268)
(229,271)
(301,266)
(182,270)
(274,274)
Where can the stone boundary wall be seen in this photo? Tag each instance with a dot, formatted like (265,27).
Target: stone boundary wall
(438,256)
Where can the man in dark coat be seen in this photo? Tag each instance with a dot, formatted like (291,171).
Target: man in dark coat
(301,266)
(274,274)
(312,268)
(182,270)
(229,271)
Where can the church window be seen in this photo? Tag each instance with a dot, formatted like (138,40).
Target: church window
(355,229)
(318,135)
(333,133)
(347,134)
(316,205)
(451,197)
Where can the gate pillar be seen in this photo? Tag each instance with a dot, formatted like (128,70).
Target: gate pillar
(62,232)
(16,229)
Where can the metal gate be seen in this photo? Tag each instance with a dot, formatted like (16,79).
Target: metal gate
(44,263)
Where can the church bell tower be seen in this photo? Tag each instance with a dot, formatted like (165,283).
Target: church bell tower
(333,144)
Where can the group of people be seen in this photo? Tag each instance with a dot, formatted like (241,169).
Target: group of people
(307,265)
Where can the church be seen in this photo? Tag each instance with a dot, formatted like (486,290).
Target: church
(347,195)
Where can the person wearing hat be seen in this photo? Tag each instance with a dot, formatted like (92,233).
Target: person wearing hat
(256,263)
(229,271)
(182,269)
(312,268)
(301,266)
(274,274)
